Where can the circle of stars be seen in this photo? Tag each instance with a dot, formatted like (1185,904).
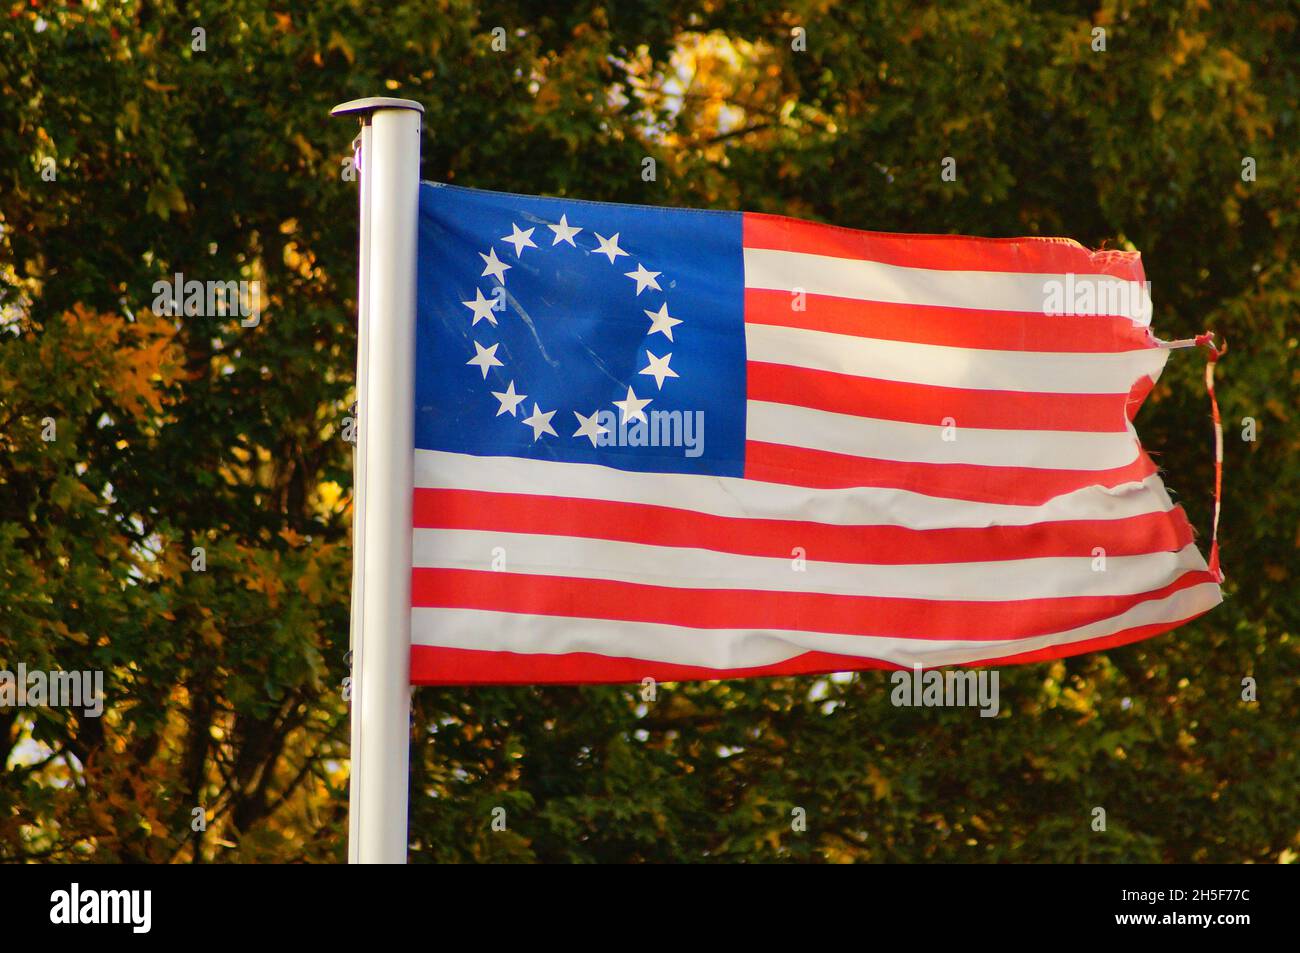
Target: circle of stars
(483,308)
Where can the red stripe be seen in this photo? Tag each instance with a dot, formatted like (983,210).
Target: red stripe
(1022,486)
(443,666)
(431,665)
(873,545)
(949,327)
(1137,394)
(930,404)
(758,609)
(940,252)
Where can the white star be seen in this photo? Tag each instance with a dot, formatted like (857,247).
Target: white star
(564,232)
(632,407)
(485,358)
(540,422)
(609,247)
(509,400)
(520,240)
(659,369)
(661,321)
(589,427)
(494,265)
(482,308)
(644,278)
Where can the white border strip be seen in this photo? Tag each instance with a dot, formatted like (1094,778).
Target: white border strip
(739,498)
(1028,372)
(795,426)
(792,271)
(745,648)
(681,567)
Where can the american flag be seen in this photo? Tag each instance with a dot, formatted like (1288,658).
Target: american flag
(679,444)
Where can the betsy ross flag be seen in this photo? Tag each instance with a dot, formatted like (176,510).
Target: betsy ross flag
(680,444)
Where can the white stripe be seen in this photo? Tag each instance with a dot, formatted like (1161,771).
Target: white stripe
(794,426)
(735,497)
(791,271)
(1037,372)
(743,648)
(683,567)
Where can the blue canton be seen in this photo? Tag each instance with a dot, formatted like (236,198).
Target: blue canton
(580,332)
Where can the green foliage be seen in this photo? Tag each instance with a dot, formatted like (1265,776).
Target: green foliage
(223,685)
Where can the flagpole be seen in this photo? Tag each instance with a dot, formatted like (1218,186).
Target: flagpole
(389,180)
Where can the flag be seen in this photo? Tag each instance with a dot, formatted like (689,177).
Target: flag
(679,444)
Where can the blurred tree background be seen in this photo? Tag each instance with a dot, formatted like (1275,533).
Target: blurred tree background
(130,150)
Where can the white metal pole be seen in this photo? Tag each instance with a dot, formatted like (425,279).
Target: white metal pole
(389,182)
(362,148)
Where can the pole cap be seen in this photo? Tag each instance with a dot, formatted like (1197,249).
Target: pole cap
(373,104)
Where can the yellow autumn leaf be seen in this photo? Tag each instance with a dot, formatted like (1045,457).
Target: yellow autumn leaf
(339,42)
